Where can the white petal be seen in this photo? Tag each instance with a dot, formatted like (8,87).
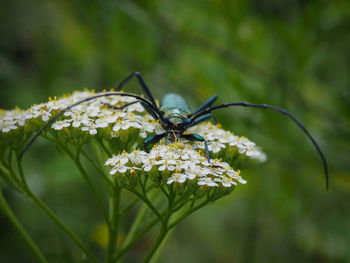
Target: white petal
(93,131)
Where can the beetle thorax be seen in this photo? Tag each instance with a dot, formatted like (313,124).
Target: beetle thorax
(176,117)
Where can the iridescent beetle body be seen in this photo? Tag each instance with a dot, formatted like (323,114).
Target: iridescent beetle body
(176,110)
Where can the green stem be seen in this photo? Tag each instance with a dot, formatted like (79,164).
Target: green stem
(128,206)
(136,224)
(77,162)
(92,187)
(135,239)
(146,201)
(160,238)
(8,166)
(7,210)
(133,202)
(61,225)
(104,147)
(96,167)
(138,219)
(188,212)
(36,200)
(114,203)
(9,177)
(163,230)
(159,251)
(164,192)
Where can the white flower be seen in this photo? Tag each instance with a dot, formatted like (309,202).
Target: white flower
(120,159)
(227,182)
(137,157)
(45,116)
(143,134)
(177,177)
(197,171)
(137,107)
(207,181)
(169,164)
(7,126)
(59,125)
(119,169)
(78,119)
(147,164)
(93,110)
(216,146)
(130,120)
(91,128)
(101,123)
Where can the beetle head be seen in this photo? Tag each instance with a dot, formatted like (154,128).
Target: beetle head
(175,123)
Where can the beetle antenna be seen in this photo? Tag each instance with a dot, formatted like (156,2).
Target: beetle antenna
(151,107)
(283,111)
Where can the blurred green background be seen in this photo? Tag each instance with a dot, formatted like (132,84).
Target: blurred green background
(291,54)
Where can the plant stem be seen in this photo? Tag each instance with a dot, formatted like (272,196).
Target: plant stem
(138,220)
(167,228)
(163,230)
(77,162)
(146,201)
(114,202)
(7,210)
(133,202)
(93,188)
(136,223)
(188,212)
(128,206)
(108,180)
(104,147)
(136,238)
(61,225)
(160,238)
(47,210)
(159,251)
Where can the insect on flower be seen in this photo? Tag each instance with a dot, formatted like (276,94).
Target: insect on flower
(176,117)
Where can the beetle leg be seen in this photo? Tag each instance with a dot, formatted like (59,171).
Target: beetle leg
(153,139)
(145,89)
(203,119)
(206,104)
(142,84)
(214,119)
(198,138)
(150,111)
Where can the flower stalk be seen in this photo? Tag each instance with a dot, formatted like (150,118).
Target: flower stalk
(11,216)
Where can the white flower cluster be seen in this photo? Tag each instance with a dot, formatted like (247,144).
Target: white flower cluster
(218,139)
(94,115)
(88,116)
(178,163)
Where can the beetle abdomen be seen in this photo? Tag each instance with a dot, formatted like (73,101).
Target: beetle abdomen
(174,101)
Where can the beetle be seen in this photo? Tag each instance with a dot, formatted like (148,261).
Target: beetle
(176,117)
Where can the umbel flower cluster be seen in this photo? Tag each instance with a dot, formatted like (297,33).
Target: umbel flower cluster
(101,131)
(180,161)
(171,163)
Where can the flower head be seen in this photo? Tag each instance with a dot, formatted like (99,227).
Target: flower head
(193,167)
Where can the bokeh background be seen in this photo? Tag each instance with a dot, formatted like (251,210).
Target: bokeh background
(293,54)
